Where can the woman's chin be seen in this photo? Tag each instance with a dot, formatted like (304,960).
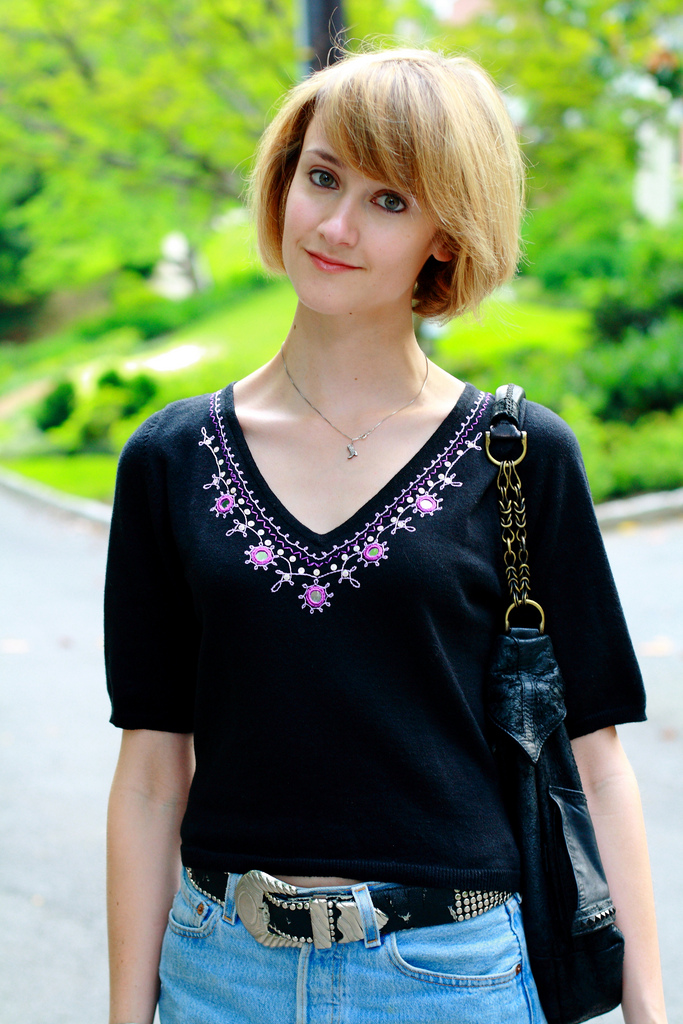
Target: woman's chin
(338,306)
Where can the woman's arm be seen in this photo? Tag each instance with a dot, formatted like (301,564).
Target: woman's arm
(614,803)
(146,806)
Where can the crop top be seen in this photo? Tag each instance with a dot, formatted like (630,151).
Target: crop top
(334,683)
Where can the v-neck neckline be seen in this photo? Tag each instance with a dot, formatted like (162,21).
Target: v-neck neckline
(446,431)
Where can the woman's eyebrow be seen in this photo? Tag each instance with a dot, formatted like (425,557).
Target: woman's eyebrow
(329,158)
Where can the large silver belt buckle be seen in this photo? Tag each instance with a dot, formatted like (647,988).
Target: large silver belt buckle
(251,900)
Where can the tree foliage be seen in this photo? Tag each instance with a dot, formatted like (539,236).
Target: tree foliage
(581,75)
(122,121)
(135,117)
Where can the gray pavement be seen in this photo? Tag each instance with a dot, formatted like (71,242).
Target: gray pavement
(57,751)
(647,561)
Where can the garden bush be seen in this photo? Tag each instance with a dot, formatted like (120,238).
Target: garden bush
(579,236)
(655,266)
(624,459)
(57,406)
(537,346)
(91,416)
(614,314)
(650,288)
(642,374)
(139,390)
(647,456)
(153,316)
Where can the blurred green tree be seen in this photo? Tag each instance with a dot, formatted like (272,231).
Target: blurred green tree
(136,119)
(581,75)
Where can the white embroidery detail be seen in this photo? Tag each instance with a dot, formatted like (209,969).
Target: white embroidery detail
(272,549)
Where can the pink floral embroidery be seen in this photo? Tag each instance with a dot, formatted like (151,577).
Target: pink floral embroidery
(316,597)
(271,548)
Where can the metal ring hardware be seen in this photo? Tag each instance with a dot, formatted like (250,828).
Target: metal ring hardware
(515,462)
(523,604)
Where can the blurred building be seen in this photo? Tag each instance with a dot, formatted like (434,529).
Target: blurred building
(459,12)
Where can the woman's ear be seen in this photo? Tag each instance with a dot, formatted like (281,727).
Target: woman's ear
(441,252)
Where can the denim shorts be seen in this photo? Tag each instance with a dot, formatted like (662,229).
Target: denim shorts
(468,972)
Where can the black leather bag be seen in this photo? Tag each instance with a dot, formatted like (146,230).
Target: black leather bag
(575,948)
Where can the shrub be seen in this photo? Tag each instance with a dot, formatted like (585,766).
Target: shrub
(153,316)
(647,456)
(562,265)
(579,236)
(655,266)
(115,398)
(643,374)
(650,288)
(623,459)
(102,412)
(534,345)
(111,378)
(614,314)
(57,406)
(87,425)
(140,390)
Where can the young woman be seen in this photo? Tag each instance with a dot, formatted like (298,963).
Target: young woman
(305,581)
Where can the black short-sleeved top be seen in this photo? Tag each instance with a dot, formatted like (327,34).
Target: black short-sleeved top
(334,682)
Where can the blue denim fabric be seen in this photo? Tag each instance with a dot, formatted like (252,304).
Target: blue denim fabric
(469,972)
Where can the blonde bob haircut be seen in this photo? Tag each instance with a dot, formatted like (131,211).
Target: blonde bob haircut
(432,127)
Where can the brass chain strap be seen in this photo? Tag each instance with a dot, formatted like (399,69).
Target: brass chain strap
(512,513)
(513,529)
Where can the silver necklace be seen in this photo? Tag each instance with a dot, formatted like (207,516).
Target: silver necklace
(361,437)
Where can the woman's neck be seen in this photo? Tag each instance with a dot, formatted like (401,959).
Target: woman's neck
(351,367)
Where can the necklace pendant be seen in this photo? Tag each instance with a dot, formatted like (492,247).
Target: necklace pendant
(352,451)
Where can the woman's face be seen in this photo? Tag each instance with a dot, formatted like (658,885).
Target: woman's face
(350,244)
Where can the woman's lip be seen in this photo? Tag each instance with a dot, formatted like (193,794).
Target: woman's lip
(327,263)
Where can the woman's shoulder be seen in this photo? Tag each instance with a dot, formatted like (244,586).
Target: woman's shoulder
(169,427)
(168,436)
(547,423)
(553,465)
(548,435)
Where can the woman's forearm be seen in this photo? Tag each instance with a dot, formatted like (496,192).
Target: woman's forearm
(614,802)
(147,802)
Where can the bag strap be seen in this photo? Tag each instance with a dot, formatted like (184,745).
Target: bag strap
(509,409)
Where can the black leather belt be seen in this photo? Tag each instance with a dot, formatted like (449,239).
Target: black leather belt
(278,914)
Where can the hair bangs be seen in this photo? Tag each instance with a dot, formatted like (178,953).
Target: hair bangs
(368,121)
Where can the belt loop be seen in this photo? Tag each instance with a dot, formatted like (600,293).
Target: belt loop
(363,900)
(230,910)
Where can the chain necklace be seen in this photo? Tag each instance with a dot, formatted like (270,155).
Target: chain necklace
(361,437)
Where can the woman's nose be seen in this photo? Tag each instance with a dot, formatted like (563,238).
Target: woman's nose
(340,226)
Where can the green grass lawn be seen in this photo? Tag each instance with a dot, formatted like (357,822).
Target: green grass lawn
(88,476)
(507,327)
(231,344)
(226,346)
(530,343)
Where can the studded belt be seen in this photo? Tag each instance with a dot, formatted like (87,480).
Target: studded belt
(279,914)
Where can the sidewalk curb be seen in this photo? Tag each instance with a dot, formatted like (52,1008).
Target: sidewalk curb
(95,511)
(642,508)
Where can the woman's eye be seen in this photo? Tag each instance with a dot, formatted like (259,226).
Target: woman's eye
(391,202)
(323,178)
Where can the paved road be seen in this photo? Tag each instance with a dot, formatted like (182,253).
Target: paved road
(647,563)
(57,753)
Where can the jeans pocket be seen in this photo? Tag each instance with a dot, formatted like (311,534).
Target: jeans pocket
(475,953)
(192,914)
